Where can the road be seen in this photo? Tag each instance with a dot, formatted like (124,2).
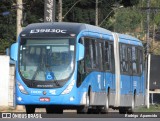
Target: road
(72,114)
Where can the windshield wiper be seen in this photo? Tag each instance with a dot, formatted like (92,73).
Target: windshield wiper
(35,74)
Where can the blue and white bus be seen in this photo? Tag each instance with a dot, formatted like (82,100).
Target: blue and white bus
(78,66)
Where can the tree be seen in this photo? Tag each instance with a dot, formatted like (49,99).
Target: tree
(7,24)
(127,20)
(130,3)
(33,12)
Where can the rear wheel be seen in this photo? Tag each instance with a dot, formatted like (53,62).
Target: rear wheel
(129,110)
(106,106)
(30,109)
(122,110)
(132,108)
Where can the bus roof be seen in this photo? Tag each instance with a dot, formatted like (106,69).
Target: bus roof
(38,29)
(61,29)
(124,38)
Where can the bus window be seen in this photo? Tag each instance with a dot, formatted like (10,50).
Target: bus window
(129,50)
(94,54)
(87,58)
(91,53)
(112,60)
(123,58)
(103,54)
(140,57)
(100,56)
(107,56)
(134,60)
(38,57)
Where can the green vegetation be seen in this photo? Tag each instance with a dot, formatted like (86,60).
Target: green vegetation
(128,19)
(153,108)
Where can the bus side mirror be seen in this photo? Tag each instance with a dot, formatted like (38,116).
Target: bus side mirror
(14,51)
(81,52)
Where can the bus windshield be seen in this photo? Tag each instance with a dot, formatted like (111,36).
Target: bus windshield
(46,59)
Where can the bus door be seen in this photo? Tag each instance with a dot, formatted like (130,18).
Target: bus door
(101,75)
(130,64)
(109,68)
(134,75)
(106,65)
(127,55)
(140,60)
(137,64)
(112,67)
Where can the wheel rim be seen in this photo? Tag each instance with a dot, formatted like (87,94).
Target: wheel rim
(107,105)
(133,103)
(87,101)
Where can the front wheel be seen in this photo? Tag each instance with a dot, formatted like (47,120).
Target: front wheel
(54,110)
(30,109)
(84,109)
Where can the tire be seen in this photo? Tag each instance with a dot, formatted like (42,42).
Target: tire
(30,109)
(105,109)
(49,110)
(132,108)
(84,109)
(122,110)
(129,110)
(54,110)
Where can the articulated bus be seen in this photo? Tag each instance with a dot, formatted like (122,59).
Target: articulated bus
(78,66)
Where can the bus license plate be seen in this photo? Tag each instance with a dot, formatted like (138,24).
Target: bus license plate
(44,99)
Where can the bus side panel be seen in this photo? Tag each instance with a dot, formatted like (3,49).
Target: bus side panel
(129,85)
(110,83)
(126,91)
(105,81)
(97,93)
(138,85)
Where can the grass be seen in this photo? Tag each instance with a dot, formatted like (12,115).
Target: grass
(152,108)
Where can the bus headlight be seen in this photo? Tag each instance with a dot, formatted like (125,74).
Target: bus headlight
(69,88)
(21,88)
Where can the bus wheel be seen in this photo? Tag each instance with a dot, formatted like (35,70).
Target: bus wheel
(122,110)
(129,110)
(49,109)
(106,106)
(54,109)
(84,109)
(132,108)
(30,109)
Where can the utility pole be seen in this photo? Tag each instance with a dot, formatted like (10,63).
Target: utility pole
(96,16)
(19,16)
(60,11)
(148,19)
(148,56)
(148,9)
(19,29)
